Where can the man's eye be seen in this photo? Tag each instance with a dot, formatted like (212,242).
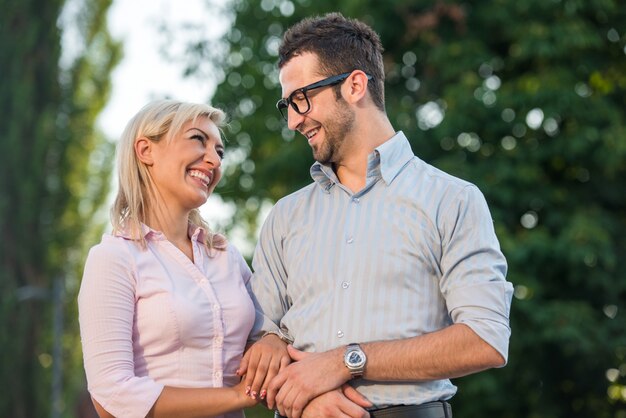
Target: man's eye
(298,97)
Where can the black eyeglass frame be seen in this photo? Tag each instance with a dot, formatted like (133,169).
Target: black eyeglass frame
(283,104)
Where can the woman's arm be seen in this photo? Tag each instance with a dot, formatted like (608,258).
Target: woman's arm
(184,402)
(177,402)
(102,413)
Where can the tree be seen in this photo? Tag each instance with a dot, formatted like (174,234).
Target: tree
(53,175)
(525,98)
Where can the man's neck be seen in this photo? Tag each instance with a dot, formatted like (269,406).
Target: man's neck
(352,169)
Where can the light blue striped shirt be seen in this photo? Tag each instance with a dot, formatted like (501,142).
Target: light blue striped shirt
(411,253)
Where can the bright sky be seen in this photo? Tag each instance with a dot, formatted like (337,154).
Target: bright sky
(144,74)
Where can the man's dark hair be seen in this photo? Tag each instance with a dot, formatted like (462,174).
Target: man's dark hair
(341,45)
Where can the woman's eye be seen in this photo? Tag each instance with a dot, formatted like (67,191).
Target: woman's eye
(220,153)
(199,138)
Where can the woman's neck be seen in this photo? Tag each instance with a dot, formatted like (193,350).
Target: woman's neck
(175,229)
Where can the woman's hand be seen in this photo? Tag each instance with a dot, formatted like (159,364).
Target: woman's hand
(261,362)
(243,398)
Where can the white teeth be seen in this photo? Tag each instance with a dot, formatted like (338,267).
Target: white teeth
(199,174)
(312,133)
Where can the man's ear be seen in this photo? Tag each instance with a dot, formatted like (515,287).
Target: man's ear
(356,86)
(143,150)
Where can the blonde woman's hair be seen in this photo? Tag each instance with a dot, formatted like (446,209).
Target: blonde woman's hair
(157,121)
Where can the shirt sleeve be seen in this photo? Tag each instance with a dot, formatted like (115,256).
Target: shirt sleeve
(268,286)
(106,308)
(474,270)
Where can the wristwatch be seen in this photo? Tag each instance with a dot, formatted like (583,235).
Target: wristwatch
(354,358)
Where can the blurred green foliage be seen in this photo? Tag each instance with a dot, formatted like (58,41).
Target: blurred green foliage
(54,176)
(526,99)
(259,411)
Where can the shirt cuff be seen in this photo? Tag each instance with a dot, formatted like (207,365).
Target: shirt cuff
(485,308)
(280,334)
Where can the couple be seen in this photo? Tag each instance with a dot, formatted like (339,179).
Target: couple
(384,275)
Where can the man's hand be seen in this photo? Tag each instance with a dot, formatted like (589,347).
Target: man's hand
(311,375)
(261,362)
(342,403)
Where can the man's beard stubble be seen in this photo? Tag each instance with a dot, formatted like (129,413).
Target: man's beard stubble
(336,129)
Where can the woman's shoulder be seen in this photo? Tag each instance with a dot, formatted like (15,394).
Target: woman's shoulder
(114,247)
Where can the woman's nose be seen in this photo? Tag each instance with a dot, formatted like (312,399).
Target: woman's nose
(212,157)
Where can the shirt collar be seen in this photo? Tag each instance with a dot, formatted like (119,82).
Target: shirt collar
(196,233)
(386,161)
(394,155)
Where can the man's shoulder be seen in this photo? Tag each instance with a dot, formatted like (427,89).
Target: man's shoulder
(436,176)
(295,198)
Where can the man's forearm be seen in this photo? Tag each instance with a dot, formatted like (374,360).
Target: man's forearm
(448,353)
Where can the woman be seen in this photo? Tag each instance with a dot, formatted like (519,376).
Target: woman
(163,308)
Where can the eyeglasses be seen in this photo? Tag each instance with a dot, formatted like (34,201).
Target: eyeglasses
(299,100)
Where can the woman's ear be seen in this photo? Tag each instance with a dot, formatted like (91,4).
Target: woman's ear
(143,149)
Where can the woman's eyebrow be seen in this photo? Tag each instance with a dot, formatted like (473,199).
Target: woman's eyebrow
(198,129)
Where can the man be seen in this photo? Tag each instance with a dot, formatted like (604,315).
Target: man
(385,272)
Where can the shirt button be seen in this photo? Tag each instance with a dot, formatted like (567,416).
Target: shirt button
(340,334)
(356,200)
(345,285)
(350,240)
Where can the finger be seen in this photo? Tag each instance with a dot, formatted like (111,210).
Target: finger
(341,414)
(286,397)
(280,401)
(355,396)
(272,371)
(353,410)
(296,354)
(253,364)
(298,405)
(284,362)
(296,401)
(259,377)
(243,366)
(273,388)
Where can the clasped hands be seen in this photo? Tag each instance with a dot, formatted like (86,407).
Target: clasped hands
(300,384)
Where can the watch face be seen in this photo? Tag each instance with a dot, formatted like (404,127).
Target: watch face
(355,359)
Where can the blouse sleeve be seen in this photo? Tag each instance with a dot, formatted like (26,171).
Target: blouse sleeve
(106,308)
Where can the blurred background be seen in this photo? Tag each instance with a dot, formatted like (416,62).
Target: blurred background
(524,98)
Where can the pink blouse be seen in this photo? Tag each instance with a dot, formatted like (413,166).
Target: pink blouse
(151,318)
